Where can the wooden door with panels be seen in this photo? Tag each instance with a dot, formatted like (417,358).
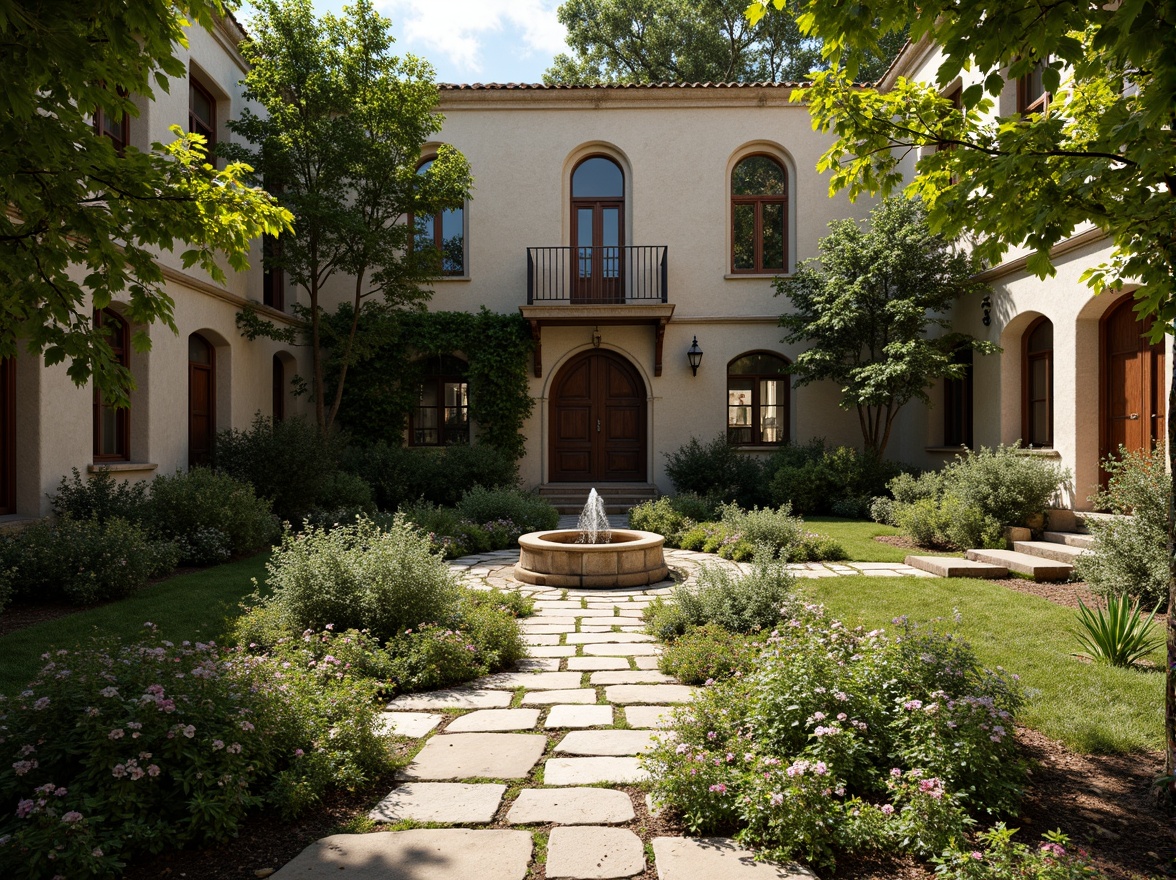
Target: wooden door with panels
(598,411)
(1133,399)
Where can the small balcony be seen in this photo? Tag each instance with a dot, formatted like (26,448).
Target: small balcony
(600,275)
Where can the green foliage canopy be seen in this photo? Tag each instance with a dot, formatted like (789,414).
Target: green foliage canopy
(84,224)
(340,142)
(688,41)
(864,309)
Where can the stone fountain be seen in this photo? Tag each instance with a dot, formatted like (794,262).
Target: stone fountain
(591,555)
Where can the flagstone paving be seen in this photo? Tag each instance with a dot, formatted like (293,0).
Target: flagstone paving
(553,723)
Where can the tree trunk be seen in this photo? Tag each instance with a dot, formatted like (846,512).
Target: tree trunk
(1169,788)
(316,357)
(346,358)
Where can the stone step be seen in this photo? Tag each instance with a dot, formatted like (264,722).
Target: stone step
(953,566)
(618,498)
(1034,566)
(1070,539)
(1049,550)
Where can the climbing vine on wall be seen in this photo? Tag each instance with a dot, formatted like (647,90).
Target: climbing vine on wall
(382,385)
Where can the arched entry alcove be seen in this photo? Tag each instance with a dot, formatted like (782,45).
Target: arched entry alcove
(598,419)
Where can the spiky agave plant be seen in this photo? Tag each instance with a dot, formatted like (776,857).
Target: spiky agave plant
(1117,635)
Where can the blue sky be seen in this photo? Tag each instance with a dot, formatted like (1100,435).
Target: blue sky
(471,40)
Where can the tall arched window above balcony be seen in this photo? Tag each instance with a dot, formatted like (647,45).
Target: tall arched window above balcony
(757,400)
(201,400)
(1037,384)
(759,216)
(598,231)
(443,232)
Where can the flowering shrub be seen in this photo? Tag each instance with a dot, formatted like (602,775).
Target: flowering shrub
(110,752)
(844,740)
(526,510)
(710,652)
(739,532)
(998,857)
(84,561)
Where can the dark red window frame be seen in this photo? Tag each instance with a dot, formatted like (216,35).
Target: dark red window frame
(196,124)
(759,202)
(1031,393)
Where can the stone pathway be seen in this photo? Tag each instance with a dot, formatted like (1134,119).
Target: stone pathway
(532,753)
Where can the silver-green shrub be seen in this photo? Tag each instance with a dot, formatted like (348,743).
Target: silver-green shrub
(739,602)
(360,577)
(1130,556)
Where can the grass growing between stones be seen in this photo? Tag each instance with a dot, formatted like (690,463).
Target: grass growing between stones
(857,537)
(1092,708)
(197,606)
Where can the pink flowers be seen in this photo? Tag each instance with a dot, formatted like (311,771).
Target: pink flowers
(911,705)
(42,703)
(71,817)
(887,810)
(117,733)
(719,788)
(776,799)
(1054,849)
(189,731)
(23,767)
(24,808)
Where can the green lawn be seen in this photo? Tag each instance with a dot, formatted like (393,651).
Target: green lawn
(857,537)
(191,606)
(1090,707)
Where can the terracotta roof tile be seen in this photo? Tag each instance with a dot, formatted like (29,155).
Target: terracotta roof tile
(481,87)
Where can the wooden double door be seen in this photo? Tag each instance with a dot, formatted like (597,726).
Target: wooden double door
(1134,374)
(598,412)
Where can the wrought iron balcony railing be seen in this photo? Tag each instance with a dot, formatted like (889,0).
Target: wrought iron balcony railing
(601,275)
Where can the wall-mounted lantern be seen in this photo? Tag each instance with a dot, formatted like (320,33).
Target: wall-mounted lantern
(694,355)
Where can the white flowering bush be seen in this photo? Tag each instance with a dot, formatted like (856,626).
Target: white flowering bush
(838,740)
(114,751)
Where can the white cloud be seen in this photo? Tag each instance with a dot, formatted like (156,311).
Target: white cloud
(459,29)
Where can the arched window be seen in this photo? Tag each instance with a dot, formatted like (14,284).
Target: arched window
(1037,384)
(442,414)
(112,425)
(7,436)
(444,232)
(598,230)
(759,216)
(757,400)
(201,400)
(957,403)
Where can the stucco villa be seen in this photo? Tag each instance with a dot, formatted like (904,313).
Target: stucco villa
(638,230)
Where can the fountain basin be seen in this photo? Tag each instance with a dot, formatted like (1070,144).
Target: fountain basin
(555,559)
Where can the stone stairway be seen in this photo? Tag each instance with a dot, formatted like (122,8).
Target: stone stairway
(569,498)
(1051,559)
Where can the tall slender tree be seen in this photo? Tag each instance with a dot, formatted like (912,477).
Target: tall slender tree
(340,143)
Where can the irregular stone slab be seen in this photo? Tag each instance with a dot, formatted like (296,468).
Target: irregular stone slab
(606,742)
(540,640)
(466,755)
(538,681)
(550,698)
(414,724)
(552,651)
(646,662)
(484,720)
(581,638)
(570,806)
(615,650)
(452,699)
(649,693)
(420,854)
(593,853)
(705,858)
(591,664)
(649,716)
(588,771)
(454,802)
(537,664)
(579,716)
(559,618)
(636,676)
(545,629)
(1037,568)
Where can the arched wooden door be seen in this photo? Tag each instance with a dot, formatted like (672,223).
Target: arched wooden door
(1133,400)
(201,400)
(598,421)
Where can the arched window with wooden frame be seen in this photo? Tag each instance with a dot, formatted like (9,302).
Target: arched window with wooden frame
(1037,384)
(442,414)
(443,232)
(112,425)
(758,400)
(759,216)
(201,400)
(598,231)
